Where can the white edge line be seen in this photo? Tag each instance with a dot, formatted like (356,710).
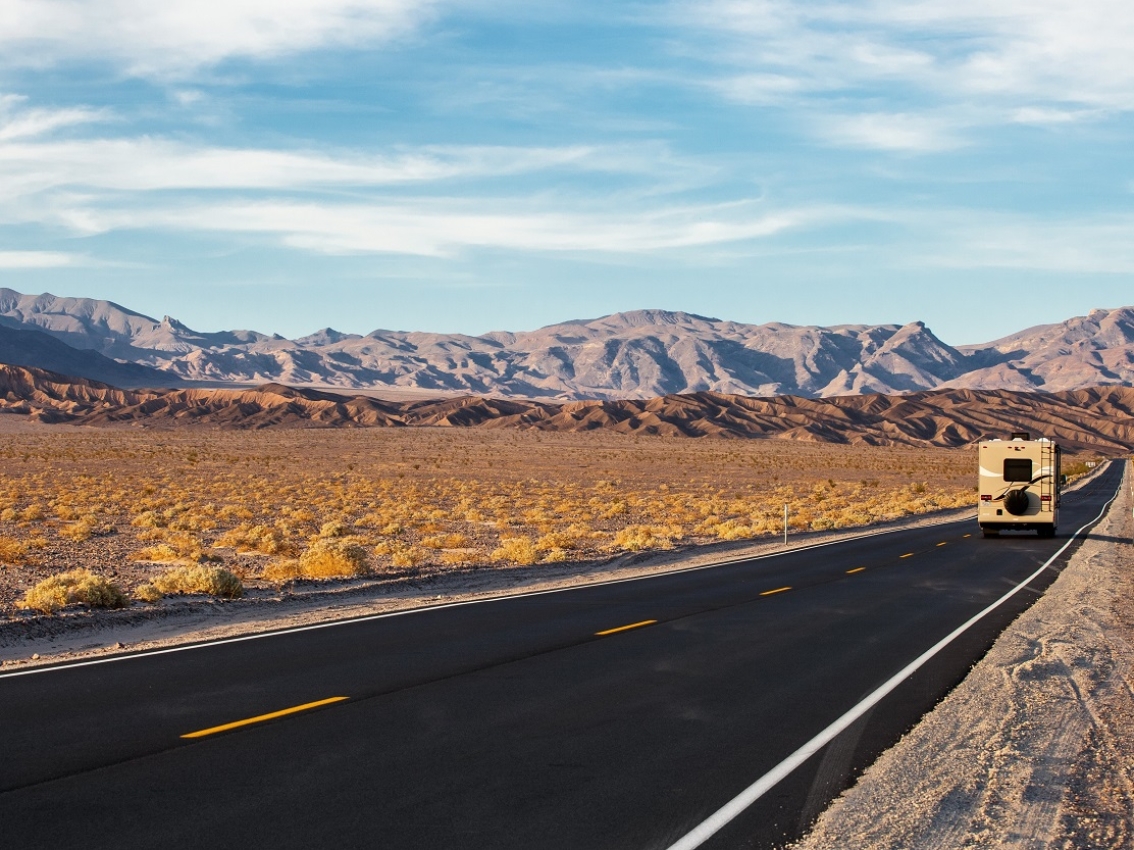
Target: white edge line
(707,828)
(145,653)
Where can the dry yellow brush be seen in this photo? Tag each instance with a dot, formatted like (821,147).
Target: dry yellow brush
(168,508)
(74,586)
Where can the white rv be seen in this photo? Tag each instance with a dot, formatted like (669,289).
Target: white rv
(1019,485)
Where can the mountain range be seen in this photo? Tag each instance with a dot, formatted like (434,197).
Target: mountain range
(634,355)
(1097,420)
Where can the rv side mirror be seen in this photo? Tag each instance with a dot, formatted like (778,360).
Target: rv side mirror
(1062,480)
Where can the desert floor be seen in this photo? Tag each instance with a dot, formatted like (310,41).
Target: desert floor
(286,508)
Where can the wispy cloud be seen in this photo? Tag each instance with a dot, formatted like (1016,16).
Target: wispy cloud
(148,164)
(1047,243)
(446,226)
(176,38)
(19,122)
(910,132)
(377,201)
(1036,62)
(39,260)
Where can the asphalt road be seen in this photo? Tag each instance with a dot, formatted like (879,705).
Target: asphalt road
(616,716)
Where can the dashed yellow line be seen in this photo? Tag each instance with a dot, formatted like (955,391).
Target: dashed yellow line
(626,628)
(855,570)
(260,718)
(908,555)
(777,590)
(968,535)
(939,545)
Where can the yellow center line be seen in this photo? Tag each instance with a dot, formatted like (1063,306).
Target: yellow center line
(908,555)
(939,545)
(236,724)
(624,628)
(855,570)
(777,590)
(968,535)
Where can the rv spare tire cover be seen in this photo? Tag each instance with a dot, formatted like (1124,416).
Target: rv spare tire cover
(1016,502)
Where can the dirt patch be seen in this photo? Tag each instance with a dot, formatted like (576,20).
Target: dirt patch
(1036,747)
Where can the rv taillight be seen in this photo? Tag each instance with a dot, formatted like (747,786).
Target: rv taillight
(1045,498)
(986,497)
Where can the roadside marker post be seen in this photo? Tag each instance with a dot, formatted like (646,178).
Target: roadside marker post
(785,525)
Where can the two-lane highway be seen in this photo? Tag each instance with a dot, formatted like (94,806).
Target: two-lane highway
(726,705)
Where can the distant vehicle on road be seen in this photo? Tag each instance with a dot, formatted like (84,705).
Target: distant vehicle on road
(1019,487)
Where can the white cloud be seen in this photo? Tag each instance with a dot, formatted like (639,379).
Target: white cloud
(758,89)
(1040,116)
(176,37)
(914,133)
(367,202)
(1012,61)
(149,164)
(445,226)
(18,122)
(38,260)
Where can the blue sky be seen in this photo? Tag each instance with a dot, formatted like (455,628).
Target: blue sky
(287,165)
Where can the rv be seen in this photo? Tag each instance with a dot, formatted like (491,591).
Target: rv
(1019,485)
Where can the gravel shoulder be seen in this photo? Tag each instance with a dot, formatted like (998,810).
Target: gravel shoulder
(1034,749)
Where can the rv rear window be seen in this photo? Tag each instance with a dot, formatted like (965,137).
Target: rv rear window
(1018,469)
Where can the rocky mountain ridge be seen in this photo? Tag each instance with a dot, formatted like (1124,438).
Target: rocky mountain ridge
(639,354)
(1097,420)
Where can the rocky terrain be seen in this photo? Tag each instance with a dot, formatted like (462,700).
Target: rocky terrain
(1099,419)
(636,355)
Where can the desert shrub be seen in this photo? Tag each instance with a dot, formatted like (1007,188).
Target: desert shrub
(75,586)
(76,532)
(32,513)
(332,558)
(12,551)
(9,515)
(733,530)
(281,569)
(85,528)
(146,592)
(192,522)
(407,556)
(199,578)
(516,550)
(271,540)
(148,519)
(457,558)
(568,539)
(334,528)
(66,513)
(161,553)
(851,518)
(637,537)
(234,512)
(446,541)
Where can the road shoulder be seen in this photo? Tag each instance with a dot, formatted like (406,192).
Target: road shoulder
(1035,747)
